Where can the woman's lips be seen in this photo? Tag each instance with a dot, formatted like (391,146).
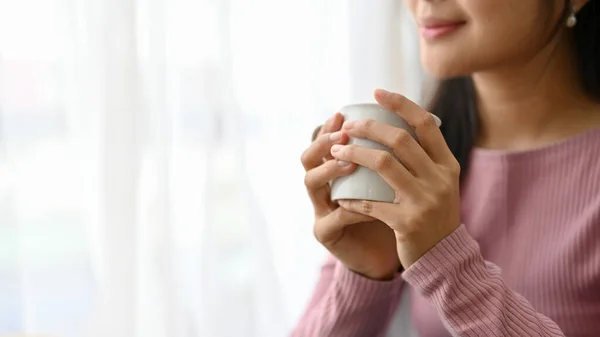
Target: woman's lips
(432,29)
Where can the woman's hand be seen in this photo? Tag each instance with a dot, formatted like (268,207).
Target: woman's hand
(363,244)
(427,205)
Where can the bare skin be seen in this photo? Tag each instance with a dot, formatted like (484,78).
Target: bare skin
(529,95)
(365,245)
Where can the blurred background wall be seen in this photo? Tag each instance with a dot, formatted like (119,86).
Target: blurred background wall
(150,182)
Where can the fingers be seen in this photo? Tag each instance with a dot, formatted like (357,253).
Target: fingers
(382,211)
(329,229)
(332,125)
(382,162)
(322,141)
(317,183)
(319,149)
(399,140)
(424,124)
(321,175)
(319,166)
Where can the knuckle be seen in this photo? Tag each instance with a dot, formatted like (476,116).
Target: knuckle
(383,160)
(366,206)
(454,168)
(401,137)
(318,231)
(435,202)
(443,191)
(348,151)
(317,146)
(366,124)
(426,121)
(329,169)
(322,141)
(318,176)
(305,157)
(400,101)
(324,227)
(446,189)
(323,138)
(308,180)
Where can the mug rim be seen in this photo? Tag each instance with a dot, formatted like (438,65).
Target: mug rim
(438,121)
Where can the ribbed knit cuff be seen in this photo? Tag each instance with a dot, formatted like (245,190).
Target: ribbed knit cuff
(455,257)
(362,290)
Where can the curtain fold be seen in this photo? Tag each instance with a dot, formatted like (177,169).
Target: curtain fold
(150,182)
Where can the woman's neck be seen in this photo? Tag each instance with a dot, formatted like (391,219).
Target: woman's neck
(533,103)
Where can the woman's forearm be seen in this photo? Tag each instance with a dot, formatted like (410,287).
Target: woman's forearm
(347,304)
(470,294)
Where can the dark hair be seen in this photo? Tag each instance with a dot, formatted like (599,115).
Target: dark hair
(454,100)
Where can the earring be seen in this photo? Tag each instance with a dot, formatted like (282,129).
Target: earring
(572,19)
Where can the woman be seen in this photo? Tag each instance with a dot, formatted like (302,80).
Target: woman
(519,100)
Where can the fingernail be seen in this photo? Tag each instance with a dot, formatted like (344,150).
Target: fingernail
(343,163)
(349,124)
(334,137)
(336,148)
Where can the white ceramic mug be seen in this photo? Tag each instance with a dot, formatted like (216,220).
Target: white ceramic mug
(363,183)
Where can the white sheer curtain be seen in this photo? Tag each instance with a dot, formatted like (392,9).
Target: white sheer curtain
(149,175)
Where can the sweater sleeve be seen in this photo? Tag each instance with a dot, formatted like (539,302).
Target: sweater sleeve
(347,304)
(470,295)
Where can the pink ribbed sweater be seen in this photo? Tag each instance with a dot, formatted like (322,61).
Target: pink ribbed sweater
(526,262)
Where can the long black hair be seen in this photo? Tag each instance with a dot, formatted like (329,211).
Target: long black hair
(454,101)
